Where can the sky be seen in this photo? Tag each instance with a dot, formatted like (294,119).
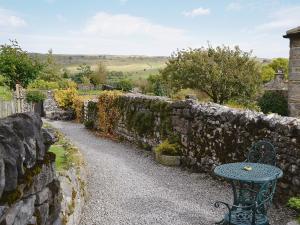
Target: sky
(148,27)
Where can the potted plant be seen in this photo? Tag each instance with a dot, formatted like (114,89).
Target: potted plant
(168,154)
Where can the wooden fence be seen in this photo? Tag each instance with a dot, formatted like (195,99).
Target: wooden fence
(7,108)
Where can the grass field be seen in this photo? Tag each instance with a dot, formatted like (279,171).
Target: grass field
(134,67)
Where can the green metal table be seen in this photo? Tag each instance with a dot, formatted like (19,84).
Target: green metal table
(253,186)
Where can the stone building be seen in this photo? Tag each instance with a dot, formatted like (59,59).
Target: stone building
(294,72)
(279,84)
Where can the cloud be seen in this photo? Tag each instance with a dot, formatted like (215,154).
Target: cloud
(196,12)
(283,19)
(106,33)
(118,26)
(234,6)
(9,19)
(123,1)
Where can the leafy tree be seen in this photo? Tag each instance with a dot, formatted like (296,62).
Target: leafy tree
(100,75)
(273,102)
(157,85)
(65,73)
(222,73)
(280,64)
(51,70)
(84,70)
(17,66)
(267,73)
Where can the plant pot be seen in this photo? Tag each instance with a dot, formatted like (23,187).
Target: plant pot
(167,160)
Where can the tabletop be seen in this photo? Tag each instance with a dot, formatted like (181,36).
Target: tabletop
(251,172)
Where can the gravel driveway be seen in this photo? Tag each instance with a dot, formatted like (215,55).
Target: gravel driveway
(126,186)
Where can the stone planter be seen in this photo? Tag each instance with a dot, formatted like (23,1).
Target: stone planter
(167,160)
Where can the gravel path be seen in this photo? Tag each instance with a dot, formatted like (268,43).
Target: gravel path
(127,187)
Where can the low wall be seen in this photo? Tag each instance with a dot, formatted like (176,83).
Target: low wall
(211,134)
(29,189)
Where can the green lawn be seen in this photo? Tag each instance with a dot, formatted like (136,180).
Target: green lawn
(5,94)
(59,151)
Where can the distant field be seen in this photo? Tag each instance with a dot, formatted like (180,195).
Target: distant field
(134,67)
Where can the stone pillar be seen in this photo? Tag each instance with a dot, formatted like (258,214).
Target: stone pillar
(294,72)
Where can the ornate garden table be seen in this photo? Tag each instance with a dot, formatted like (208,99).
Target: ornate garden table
(253,186)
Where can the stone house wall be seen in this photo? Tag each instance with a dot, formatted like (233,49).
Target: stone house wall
(211,134)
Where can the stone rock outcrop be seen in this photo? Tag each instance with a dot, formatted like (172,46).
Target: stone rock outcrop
(29,189)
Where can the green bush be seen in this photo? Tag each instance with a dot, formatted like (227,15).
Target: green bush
(2,81)
(43,85)
(273,102)
(295,204)
(35,96)
(124,85)
(89,124)
(5,93)
(166,148)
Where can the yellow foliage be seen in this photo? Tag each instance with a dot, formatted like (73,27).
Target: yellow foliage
(65,98)
(78,103)
(109,112)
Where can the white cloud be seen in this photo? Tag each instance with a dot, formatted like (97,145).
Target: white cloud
(9,20)
(123,1)
(234,6)
(197,12)
(283,19)
(118,26)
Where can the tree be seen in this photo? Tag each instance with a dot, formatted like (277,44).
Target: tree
(17,66)
(280,64)
(222,73)
(51,70)
(84,70)
(100,75)
(157,85)
(267,73)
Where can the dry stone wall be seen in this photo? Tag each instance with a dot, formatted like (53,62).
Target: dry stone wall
(29,189)
(211,134)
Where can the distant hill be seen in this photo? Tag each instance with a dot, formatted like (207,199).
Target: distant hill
(135,66)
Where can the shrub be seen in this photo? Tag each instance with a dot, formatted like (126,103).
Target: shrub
(43,85)
(35,96)
(2,81)
(109,112)
(295,204)
(273,102)
(78,103)
(65,98)
(5,93)
(166,148)
(65,84)
(124,85)
(89,124)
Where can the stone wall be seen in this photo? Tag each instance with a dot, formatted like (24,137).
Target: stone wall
(52,110)
(211,134)
(29,190)
(294,72)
